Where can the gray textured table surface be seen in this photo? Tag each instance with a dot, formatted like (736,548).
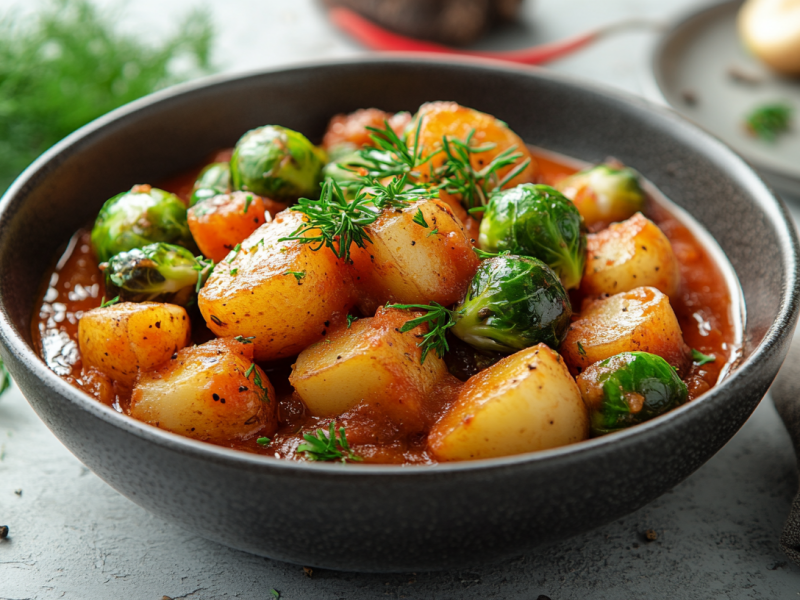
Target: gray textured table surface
(74,537)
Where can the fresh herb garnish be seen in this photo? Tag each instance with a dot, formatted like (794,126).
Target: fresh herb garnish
(397,193)
(111,302)
(204,267)
(263,441)
(350,319)
(244,340)
(701,359)
(434,232)
(234,271)
(769,120)
(482,254)
(5,378)
(247,201)
(297,274)
(324,446)
(233,253)
(391,156)
(275,593)
(438,318)
(70,63)
(217,320)
(581,349)
(257,380)
(336,222)
(459,178)
(419,219)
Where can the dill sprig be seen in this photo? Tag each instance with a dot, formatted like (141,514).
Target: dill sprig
(459,178)
(327,446)
(204,268)
(438,318)
(391,156)
(335,222)
(701,359)
(770,120)
(397,193)
(68,64)
(483,254)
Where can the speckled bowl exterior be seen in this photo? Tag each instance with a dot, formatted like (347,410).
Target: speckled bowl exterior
(388,518)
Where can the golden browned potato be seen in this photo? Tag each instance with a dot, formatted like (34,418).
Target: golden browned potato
(528,401)
(639,320)
(369,362)
(627,255)
(441,119)
(221,222)
(285,294)
(351,130)
(212,392)
(412,264)
(125,338)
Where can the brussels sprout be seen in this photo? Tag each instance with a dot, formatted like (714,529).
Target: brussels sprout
(343,172)
(539,221)
(278,163)
(604,194)
(213,180)
(628,389)
(155,273)
(137,218)
(512,303)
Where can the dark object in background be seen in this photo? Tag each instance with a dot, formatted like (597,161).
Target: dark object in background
(453,22)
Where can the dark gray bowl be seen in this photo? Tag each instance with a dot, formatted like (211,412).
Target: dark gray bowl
(373,518)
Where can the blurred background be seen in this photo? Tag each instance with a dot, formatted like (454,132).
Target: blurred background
(65,62)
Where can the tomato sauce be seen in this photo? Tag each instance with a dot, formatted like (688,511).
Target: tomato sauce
(75,285)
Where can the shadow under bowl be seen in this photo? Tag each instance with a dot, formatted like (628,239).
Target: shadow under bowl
(390,518)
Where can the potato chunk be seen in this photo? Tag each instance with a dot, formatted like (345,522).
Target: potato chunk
(369,362)
(125,338)
(412,264)
(639,320)
(627,255)
(285,294)
(441,119)
(221,222)
(528,401)
(208,393)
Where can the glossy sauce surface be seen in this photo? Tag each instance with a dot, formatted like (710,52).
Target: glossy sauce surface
(75,285)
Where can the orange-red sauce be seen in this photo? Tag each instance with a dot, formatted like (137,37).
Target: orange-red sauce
(75,285)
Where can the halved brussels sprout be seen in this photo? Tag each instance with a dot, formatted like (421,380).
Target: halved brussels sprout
(213,180)
(513,302)
(628,389)
(604,194)
(539,221)
(155,273)
(278,163)
(142,216)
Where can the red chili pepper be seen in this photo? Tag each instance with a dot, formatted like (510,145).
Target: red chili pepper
(376,37)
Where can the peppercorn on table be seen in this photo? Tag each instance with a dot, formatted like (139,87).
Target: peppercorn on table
(72,536)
